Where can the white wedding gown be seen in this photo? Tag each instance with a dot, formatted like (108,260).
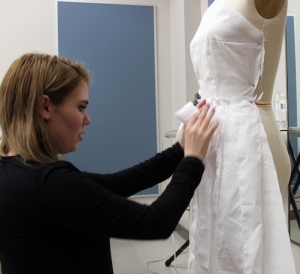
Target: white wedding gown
(237,220)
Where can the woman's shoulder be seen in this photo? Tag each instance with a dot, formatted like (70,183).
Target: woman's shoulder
(58,164)
(56,175)
(16,160)
(14,164)
(36,175)
(56,167)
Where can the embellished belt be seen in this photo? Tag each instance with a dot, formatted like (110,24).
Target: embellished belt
(187,111)
(237,99)
(227,101)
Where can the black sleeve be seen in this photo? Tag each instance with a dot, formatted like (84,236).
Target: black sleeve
(68,198)
(144,175)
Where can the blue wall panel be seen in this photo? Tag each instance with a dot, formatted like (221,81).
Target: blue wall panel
(210,2)
(291,79)
(117,44)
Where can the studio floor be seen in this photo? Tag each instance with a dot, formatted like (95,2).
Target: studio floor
(144,257)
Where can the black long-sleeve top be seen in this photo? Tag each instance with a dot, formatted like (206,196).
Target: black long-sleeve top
(56,219)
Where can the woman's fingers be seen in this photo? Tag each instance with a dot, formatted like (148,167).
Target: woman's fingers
(209,114)
(198,119)
(193,119)
(182,139)
(213,126)
(198,133)
(202,116)
(201,104)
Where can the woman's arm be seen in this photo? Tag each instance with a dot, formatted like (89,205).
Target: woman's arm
(144,175)
(69,199)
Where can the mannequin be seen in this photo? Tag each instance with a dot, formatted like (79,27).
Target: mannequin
(261,13)
(237,220)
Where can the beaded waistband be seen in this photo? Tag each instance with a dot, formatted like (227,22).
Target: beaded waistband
(231,100)
(227,101)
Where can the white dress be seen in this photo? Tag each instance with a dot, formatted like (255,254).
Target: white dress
(237,220)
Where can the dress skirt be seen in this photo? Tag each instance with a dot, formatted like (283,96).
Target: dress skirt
(237,221)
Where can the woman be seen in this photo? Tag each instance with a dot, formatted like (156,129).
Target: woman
(55,218)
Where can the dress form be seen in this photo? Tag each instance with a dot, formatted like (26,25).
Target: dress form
(270,17)
(237,219)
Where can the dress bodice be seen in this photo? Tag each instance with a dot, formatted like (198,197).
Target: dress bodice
(227,53)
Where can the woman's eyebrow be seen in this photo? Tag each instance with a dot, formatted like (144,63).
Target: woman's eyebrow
(84,101)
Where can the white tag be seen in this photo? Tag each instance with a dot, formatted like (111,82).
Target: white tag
(186,112)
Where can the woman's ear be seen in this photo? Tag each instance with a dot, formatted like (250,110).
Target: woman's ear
(44,106)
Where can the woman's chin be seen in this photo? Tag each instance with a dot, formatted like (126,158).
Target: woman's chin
(68,150)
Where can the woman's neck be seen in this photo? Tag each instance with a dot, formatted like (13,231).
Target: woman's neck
(11,153)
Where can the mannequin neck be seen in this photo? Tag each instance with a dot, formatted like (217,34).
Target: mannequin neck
(269,8)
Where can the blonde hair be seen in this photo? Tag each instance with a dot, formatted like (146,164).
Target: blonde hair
(28,78)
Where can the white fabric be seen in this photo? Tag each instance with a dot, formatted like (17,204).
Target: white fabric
(237,221)
(186,112)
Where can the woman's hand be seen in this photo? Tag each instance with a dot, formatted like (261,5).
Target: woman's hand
(199,107)
(201,104)
(198,133)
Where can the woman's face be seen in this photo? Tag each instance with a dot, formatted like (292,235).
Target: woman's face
(67,121)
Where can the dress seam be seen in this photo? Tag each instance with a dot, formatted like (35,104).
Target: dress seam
(262,208)
(217,185)
(214,69)
(240,199)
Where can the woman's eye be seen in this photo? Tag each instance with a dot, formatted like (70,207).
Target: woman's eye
(81,108)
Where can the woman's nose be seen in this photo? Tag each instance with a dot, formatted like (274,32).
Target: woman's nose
(87,120)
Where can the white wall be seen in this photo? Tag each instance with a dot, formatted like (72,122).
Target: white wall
(26,25)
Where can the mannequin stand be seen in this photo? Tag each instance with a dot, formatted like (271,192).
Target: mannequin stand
(177,253)
(293,188)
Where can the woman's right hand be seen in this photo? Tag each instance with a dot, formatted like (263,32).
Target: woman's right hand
(198,133)
(199,106)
